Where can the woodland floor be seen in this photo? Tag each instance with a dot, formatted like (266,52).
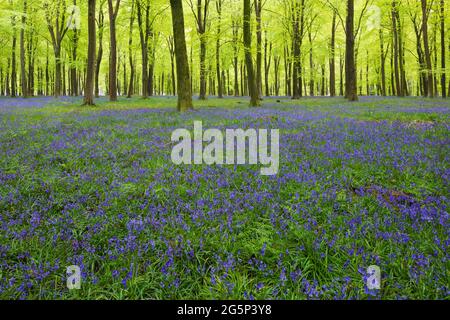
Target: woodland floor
(359,184)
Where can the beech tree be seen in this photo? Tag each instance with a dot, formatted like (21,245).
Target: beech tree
(252,84)
(183,78)
(113,10)
(90,71)
(350,68)
(200,10)
(55,15)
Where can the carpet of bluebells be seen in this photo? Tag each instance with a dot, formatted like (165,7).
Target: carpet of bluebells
(359,184)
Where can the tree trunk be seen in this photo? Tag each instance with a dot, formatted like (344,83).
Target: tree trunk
(113,11)
(333,56)
(252,85)
(172,63)
(235,28)
(89,86)
(47,74)
(258,12)
(322,84)
(183,78)
(429,68)
(341,75)
(23,73)
(267,64)
(277,61)
(350,67)
(202,68)
(101,25)
(298,30)
(218,73)
(396,58)
(58,72)
(311,65)
(382,64)
(73,87)
(201,19)
(287,72)
(130,51)
(443,54)
(58,29)
(144,34)
(31,52)
(13,60)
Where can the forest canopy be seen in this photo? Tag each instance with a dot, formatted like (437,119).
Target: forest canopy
(298,47)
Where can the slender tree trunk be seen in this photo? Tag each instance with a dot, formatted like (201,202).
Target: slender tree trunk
(267,64)
(382,64)
(101,25)
(58,74)
(31,53)
(144,34)
(218,73)
(443,54)
(47,74)
(73,59)
(277,61)
(172,64)
(243,82)
(322,84)
(252,85)
(130,51)
(286,73)
(58,29)
(333,56)
(258,11)
(435,56)
(235,27)
(341,75)
(89,86)
(396,58)
(151,71)
(448,93)
(311,64)
(2,92)
(202,68)
(7,87)
(113,10)
(201,16)
(13,60)
(183,78)
(23,73)
(429,67)
(350,66)
(367,74)
(298,30)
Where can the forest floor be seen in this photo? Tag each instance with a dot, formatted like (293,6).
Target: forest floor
(359,184)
